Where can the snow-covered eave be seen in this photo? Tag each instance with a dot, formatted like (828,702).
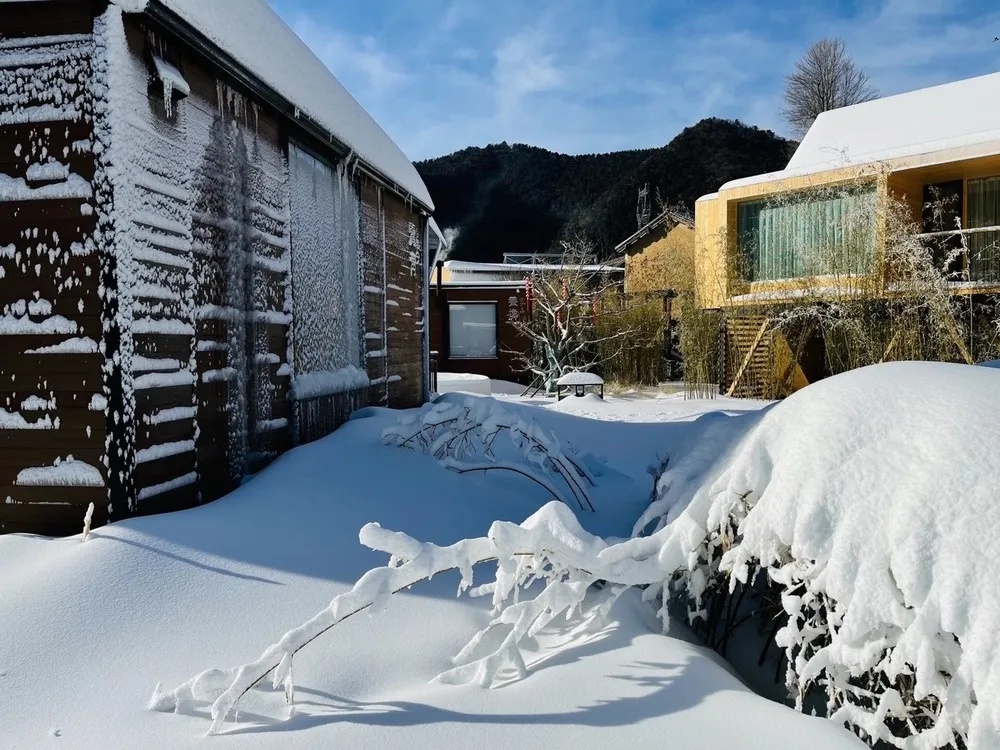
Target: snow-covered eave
(190,35)
(461,266)
(986,143)
(669,217)
(484,284)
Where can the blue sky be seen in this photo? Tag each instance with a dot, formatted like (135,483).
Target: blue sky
(585,76)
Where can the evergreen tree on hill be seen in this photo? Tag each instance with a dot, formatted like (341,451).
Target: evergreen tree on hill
(518,198)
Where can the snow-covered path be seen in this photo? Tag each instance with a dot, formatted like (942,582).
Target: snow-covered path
(88,629)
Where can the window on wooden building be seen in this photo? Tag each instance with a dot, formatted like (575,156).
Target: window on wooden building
(472,330)
(808,234)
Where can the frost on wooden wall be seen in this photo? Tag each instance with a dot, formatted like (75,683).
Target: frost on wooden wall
(49,318)
(324,220)
(197,295)
(374,283)
(242,266)
(147,275)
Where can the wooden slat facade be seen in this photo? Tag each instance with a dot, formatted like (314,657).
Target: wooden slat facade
(49,272)
(175,259)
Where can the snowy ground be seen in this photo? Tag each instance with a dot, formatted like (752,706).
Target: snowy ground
(89,629)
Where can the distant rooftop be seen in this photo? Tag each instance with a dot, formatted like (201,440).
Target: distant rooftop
(670,217)
(960,115)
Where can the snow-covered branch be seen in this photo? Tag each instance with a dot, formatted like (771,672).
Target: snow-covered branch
(549,547)
(462,437)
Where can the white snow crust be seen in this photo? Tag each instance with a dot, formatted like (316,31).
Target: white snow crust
(66,472)
(328,382)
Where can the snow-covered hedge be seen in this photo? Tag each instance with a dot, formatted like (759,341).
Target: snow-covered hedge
(873,500)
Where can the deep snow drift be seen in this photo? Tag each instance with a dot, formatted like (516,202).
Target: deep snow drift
(90,628)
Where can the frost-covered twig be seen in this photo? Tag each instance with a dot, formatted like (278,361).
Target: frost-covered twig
(88,516)
(462,437)
(550,547)
(422,561)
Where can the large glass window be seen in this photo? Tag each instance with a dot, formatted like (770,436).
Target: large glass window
(808,234)
(473,330)
(984,211)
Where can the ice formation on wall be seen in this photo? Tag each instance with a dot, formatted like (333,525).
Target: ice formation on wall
(324,221)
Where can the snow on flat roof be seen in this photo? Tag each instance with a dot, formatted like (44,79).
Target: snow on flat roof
(461,266)
(954,115)
(256,37)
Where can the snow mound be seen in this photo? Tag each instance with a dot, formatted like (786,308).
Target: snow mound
(870,491)
(463,382)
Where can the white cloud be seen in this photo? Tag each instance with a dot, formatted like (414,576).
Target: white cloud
(523,67)
(440,75)
(352,57)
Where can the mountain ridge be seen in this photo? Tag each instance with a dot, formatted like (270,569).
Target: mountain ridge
(521,198)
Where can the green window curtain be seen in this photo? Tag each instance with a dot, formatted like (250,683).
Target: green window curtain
(807,235)
(984,211)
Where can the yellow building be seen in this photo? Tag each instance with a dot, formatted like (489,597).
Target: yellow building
(659,257)
(818,229)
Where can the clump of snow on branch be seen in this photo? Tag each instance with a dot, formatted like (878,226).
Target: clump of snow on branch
(864,501)
(87,518)
(462,436)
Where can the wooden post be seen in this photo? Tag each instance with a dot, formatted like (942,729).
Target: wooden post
(957,338)
(668,305)
(892,345)
(796,356)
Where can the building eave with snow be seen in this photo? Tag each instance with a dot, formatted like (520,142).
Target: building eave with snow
(942,137)
(209,252)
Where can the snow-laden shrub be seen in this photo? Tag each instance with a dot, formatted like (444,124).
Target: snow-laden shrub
(462,436)
(871,500)
(869,503)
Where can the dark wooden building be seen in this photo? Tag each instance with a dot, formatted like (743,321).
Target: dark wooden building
(472,319)
(209,252)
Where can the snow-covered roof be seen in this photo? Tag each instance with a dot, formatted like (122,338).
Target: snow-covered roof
(958,115)
(670,217)
(580,378)
(461,266)
(255,37)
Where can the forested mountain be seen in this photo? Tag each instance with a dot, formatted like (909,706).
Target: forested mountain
(519,198)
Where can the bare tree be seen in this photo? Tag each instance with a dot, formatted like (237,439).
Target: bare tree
(560,322)
(825,78)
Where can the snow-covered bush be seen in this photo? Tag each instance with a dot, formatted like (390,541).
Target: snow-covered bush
(463,436)
(860,504)
(550,547)
(865,500)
